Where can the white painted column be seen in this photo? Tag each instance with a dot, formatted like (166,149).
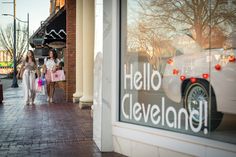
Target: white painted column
(79,51)
(88,52)
(102,118)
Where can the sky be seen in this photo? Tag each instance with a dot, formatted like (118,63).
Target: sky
(38,11)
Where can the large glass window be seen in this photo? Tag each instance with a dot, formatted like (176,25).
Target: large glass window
(177,66)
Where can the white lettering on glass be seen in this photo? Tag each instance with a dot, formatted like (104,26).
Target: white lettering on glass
(141,79)
(158,114)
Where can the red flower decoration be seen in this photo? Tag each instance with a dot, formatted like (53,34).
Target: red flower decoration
(182,78)
(193,80)
(218,67)
(175,71)
(205,76)
(170,61)
(232,59)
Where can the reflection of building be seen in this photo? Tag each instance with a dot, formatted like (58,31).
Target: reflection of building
(5,62)
(4,56)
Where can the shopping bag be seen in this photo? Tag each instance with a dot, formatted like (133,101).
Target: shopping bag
(40,85)
(59,75)
(43,86)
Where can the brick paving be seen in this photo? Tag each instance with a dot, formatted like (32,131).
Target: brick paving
(58,129)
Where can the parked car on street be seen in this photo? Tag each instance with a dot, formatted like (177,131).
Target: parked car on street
(209,76)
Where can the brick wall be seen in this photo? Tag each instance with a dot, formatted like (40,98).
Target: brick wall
(70,52)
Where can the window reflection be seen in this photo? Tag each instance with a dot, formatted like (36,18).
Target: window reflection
(192,44)
(162,28)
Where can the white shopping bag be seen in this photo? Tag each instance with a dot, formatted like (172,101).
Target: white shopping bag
(44,89)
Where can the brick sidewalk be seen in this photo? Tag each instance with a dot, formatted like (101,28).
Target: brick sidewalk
(59,129)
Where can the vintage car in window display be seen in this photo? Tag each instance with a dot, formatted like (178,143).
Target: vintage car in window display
(208,76)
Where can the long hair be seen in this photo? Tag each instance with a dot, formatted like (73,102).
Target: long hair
(32,56)
(54,53)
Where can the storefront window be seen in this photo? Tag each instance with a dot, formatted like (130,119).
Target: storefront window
(177,66)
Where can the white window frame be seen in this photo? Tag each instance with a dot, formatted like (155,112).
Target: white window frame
(193,145)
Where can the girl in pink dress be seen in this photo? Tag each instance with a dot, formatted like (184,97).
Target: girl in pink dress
(50,65)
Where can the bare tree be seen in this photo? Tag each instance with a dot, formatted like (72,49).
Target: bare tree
(144,37)
(157,23)
(196,18)
(6,41)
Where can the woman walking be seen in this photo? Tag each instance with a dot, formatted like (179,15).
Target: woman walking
(27,72)
(50,65)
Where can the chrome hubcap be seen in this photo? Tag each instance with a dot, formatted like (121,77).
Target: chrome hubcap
(196,95)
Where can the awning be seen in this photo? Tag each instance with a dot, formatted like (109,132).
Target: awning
(52,32)
(55,35)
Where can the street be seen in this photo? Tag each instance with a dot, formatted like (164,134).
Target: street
(58,129)
(6,83)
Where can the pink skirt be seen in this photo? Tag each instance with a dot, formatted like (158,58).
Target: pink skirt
(48,76)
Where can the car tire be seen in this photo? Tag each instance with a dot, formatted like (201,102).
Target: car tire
(203,87)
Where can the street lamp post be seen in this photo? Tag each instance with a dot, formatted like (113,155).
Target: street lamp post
(14,82)
(27,31)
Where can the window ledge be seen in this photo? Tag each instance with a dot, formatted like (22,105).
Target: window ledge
(169,139)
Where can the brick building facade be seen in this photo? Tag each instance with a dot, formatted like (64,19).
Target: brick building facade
(70,52)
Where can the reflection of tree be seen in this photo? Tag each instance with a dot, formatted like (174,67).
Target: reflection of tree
(143,37)
(193,17)
(158,22)
(6,41)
